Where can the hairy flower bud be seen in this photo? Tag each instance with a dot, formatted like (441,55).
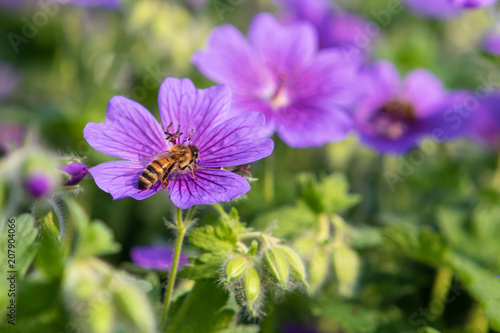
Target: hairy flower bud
(298,271)
(252,288)
(76,172)
(278,265)
(39,185)
(235,268)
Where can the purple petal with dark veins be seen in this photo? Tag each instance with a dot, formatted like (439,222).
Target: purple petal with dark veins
(237,141)
(130,131)
(210,187)
(194,109)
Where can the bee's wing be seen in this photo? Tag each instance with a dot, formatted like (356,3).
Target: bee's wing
(159,155)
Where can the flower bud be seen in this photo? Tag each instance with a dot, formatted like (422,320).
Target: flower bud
(39,185)
(347,265)
(252,287)
(296,264)
(76,172)
(278,265)
(235,268)
(318,268)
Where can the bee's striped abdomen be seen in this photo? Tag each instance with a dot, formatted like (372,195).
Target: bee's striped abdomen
(152,173)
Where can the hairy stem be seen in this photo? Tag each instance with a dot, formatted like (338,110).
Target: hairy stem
(181,232)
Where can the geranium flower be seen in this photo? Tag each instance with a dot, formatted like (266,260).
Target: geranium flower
(485,123)
(157,257)
(473,3)
(433,8)
(335,28)
(303,92)
(132,133)
(491,41)
(394,115)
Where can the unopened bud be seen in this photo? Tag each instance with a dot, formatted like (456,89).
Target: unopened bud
(318,268)
(235,268)
(39,184)
(252,287)
(296,264)
(347,265)
(76,172)
(278,265)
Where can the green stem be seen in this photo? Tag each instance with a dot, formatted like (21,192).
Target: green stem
(181,232)
(269,180)
(496,176)
(442,283)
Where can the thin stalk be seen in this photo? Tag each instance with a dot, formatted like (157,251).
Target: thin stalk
(181,232)
(269,180)
(442,283)
(496,176)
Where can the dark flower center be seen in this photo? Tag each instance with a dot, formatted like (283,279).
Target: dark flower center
(393,119)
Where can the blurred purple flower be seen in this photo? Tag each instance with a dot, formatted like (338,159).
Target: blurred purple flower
(433,8)
(76,171)
(157,257)
(303,92)
(394,116)
(491,42)
(485,127)
(473,3)
(11,137)
(39,185)
(334,28)
(9,80)
(132,133)
(109,4)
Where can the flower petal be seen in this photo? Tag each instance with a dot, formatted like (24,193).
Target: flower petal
(200,110)
(281,47)
(130,131)
(229,59)
(158,257)
(237,141)
(210,187)
(424,90)
(120,179)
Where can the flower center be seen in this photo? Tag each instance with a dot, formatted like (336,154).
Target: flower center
(394,118)
(276,93)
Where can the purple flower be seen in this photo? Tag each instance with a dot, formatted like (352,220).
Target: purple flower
(11,137)
(279,72)
(393,116)
(473,3)
(157,257)
(433,8)
(9,80)
(491,42)
(485,127)
(39,185)
(109,4)
(132,133)
(334,28)
(76,171)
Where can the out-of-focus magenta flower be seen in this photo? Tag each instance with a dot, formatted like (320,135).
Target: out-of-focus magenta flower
(204,120)
(9,80)
(473,3)
(441,9)
(334,28)
(39,185)
(491,41)
(109,4)
(304,93)
(11,137)
(394,115)
(157,257)
(76,171)
(485,123)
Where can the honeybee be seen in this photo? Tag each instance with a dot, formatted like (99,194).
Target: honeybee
(178,157)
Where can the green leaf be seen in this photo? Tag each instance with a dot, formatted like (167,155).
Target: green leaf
(291,220)
(222,238)
(205,266)
(482,284)
(329,195)
(204,309)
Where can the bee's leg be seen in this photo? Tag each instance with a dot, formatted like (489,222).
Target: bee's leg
(164,181)
(191,170)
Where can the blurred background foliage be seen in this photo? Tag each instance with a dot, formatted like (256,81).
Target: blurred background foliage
(423,251)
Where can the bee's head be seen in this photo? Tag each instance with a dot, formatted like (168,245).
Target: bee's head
(195,152)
